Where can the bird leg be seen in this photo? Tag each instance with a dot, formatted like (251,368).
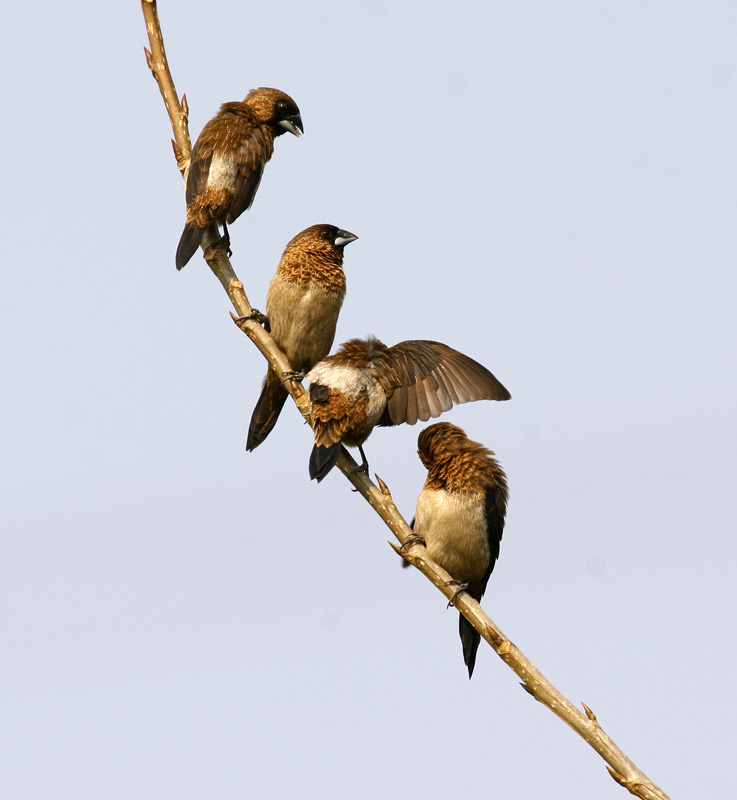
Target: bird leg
(294,375)
(364,465)
(256,316)
(459,587)
(411,541)
(225,240)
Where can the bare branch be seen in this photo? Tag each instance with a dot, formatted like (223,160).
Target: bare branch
(620,767)
(159,66)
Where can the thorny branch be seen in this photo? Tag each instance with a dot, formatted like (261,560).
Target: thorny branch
(620,767)
(159,66)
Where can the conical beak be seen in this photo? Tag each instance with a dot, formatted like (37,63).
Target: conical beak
(293,124)
(342,238)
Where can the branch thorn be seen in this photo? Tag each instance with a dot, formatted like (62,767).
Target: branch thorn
(589,713)
(384,488)
(496,639)
(617,777)
(148,58)
(240,321)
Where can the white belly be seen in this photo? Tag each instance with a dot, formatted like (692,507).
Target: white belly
(454,530)
(303,319)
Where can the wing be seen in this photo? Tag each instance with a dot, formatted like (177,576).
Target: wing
(494,509)
(330,410)
(199,169)
(230,154)
(427,378)
(253,149)
(202,152)
(246,185)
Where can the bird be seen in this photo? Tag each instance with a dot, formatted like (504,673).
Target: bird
(460,514)
(367,383)
(302,307)
(228,160)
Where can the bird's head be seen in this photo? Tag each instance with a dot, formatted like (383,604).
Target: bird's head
(439,442)
(326,240)
(276,109)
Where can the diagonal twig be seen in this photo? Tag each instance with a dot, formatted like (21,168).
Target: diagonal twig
(620,767)
(159,66)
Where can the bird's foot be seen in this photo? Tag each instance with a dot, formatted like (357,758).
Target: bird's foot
(364,467)
(255,316)
(360,468)
(459,587)
(223,243)
(411,541)
(224,240)
(294,375)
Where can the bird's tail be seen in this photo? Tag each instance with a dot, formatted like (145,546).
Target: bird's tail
(188,244)
(322,460)
(267,410)
(470,640)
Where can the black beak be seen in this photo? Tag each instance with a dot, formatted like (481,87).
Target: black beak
(293,124)
(342,238)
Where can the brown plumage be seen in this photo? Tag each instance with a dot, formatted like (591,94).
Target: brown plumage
(302,306)
(228,160)
(460,513)
(367,383)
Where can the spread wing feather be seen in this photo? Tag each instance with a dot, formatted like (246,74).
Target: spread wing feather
(431,377)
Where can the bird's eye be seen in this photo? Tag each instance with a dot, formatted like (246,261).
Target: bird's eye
(326,233)
(282,106)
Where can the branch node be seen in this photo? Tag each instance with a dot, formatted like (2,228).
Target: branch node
(384,488)
(242,322)
(504,648)
(495,636)
(618,778)
(589,713)
(182,160)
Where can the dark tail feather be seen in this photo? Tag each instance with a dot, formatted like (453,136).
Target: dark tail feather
(322,460)
(267,411)
(470,639)
(188,244)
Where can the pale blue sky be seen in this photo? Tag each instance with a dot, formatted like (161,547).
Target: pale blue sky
(549,188)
